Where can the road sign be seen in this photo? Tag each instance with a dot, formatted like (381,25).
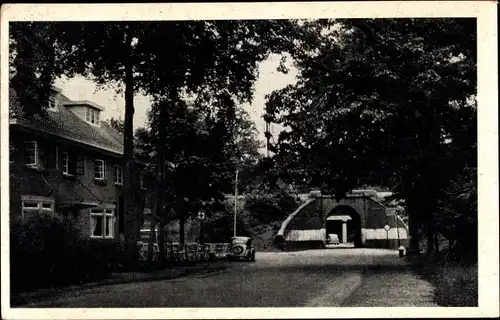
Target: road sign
(201,215)
(387,227)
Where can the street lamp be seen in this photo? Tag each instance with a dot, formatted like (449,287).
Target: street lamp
(235,201)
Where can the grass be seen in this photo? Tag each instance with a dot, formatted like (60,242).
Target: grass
(456,284)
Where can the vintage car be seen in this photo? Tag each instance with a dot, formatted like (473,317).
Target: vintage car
(333,239)
(241,249)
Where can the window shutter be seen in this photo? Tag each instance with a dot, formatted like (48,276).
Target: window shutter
(43,157)
(80,165)
(27,151)
(31,152)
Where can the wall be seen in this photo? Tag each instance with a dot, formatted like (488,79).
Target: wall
(306,226)
(303,228)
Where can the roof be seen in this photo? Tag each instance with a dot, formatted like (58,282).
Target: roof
(66,124)
(240,238)
(84,103)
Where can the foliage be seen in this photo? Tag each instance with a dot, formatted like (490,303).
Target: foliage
(200,154)
(116,124)
(267,207)
(380,101)
(46,250)
(33,64)
(215,62)
(456,283)
(457,218)
(219,228)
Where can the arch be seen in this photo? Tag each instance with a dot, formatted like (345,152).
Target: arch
(353,225)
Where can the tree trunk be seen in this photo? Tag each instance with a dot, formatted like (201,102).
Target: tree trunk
(182,221)
(130,225)
(430,235)
(154,213)
(152,239)
(162,239)
(414,248)
(162,212)
(436,243)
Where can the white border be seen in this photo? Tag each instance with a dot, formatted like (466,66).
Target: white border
(485,11)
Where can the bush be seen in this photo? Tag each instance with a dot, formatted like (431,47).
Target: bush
(456,283)
(46,250)
(220,228)
(267,208)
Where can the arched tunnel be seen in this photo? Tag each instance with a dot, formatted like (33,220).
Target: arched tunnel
(345,222)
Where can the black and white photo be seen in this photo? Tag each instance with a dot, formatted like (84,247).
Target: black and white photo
(244,158)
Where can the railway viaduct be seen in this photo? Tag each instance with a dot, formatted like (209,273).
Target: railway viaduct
(359,218)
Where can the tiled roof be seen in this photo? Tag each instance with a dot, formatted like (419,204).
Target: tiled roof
(66,124)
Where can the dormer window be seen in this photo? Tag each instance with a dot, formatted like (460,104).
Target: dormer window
(52,104)
(92,116)
(86,110)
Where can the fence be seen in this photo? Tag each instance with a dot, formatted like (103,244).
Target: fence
(190,252)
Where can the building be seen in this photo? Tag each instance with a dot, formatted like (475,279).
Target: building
(70,162)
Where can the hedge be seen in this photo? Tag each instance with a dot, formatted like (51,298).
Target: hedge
(47,250)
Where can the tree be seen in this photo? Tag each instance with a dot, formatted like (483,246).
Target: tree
(380,101)
(193,149)
(213,61)
(33,64)
(116,124)
(457,220)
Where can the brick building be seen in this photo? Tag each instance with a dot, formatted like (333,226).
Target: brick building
(70,162)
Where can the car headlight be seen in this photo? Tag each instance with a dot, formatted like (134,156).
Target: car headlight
(237,250)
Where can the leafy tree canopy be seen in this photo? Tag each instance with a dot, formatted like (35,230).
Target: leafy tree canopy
(385,102)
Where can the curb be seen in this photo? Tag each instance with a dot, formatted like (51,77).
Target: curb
(27,297)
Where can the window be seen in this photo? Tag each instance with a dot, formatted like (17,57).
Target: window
(35,155)
(65,163)
(118,174)
(92,116)
(72,162)
(52,104)
(32,153)
(31,204)
(99,169)
(12,152)
(142,183)
(102,222)
(47,206)
(57,157)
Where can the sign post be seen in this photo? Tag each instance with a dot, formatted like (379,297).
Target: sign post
(201,217)
(235,201)
(387,228)
(397,228)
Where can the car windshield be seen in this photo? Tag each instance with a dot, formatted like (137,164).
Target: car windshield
(239,241)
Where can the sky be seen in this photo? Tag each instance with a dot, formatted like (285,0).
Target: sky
(80,88)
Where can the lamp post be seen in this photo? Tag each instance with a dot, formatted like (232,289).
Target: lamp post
(201,217)
(235,201)
(397,228)
(387,228)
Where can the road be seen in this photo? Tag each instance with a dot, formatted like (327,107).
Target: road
(314,278)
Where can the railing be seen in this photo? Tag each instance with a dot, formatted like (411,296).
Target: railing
(190,252)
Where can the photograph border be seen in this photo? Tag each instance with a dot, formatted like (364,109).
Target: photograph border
(487,98)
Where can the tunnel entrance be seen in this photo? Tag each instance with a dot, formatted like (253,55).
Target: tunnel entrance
(345,222)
